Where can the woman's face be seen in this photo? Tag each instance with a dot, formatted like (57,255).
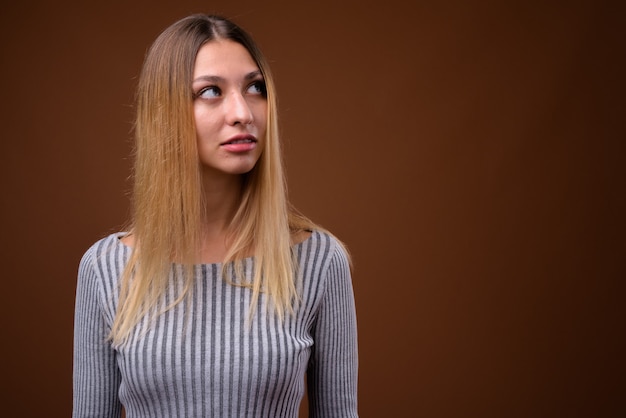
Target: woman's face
(230,108)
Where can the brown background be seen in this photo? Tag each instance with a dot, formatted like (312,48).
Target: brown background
(471,154)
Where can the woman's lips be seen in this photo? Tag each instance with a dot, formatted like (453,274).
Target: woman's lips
(240,143)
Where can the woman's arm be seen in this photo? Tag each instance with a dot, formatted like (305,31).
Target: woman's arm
(332,372)
(96,376)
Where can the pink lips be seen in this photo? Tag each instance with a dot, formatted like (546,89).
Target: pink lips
(240,143)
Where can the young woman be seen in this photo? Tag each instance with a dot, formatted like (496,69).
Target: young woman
(220,298)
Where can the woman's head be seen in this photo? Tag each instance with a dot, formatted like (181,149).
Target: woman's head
(165,127)
(167,168)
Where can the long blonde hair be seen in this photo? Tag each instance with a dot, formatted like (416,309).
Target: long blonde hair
(167,194)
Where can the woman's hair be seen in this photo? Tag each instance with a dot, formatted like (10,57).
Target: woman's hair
(167,195)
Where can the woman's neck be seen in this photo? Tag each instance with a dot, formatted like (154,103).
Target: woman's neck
(221,201)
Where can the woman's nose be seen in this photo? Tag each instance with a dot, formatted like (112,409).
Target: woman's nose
(238,110)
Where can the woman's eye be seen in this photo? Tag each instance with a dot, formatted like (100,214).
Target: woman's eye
(258,87)
(209,92)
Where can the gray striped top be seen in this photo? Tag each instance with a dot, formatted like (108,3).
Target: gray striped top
(204,359)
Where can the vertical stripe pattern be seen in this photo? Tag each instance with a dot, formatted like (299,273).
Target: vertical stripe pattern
(203,359)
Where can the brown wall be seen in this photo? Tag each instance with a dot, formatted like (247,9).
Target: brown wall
(470,154)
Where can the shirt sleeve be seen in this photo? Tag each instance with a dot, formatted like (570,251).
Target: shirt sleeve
(96,376)
(332,371)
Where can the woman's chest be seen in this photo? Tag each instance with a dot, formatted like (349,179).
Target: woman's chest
(208,346)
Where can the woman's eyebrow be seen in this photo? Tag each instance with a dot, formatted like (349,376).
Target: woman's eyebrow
(209,78)
(217,79)
(253,74)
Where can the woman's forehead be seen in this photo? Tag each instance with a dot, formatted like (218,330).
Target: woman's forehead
(223,58)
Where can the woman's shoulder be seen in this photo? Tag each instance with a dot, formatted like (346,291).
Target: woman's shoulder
(324,264)
(100,270)
(322,246)
(106,249)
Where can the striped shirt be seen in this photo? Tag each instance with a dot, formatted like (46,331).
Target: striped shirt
(204,358)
